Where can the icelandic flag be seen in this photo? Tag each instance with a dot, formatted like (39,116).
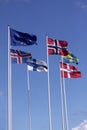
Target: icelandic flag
(19,57)
(21,39)
(37,65)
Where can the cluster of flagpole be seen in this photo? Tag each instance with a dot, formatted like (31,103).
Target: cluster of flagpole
(63,94)
(16,38)
(63,102)
(59,47)
(53,47)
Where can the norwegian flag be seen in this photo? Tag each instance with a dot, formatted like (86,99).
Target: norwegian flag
(69,71)
(57,47)
(19,57)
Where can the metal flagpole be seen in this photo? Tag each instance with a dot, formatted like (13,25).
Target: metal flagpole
(29,99)
(62,105)
(65,104)
(9,85)
(49,102)
(66,114)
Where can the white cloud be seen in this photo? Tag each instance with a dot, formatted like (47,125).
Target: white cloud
(82,126)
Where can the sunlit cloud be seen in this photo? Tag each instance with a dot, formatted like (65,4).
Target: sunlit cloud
(82,126)
(82,4)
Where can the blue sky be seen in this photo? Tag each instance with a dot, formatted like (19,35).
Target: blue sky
(64,20)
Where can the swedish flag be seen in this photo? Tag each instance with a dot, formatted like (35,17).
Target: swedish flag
(70,58)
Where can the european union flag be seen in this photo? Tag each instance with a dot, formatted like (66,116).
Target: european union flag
(21,39)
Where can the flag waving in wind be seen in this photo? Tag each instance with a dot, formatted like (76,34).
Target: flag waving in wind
(57,47)
(70,58)
(19,57)
(69,71)
(37,65)
(21,39)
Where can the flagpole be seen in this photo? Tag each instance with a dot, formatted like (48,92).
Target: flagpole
(62,105)
(49,102)
(65,103)
(28,79)
(9,85)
